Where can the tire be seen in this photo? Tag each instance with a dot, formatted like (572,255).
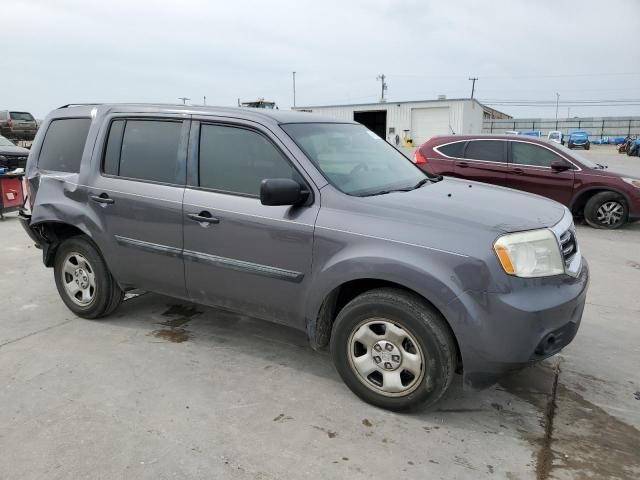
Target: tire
(425,350)
(606,210)
(569,146)
(83,279)
(587,146)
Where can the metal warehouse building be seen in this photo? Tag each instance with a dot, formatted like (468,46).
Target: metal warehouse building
(416,120)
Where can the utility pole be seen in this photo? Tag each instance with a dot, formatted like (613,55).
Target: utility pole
(294,89)
(473,85)
(383,86)
(204,100)
(557,103)
(184,100)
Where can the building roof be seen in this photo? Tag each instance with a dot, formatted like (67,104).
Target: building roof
(393,103)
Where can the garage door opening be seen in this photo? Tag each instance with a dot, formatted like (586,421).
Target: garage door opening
(376,121)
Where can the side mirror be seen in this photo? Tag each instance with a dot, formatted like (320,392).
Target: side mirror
(560,166)
(282,191)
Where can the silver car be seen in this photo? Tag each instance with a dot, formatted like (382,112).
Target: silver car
(312,223)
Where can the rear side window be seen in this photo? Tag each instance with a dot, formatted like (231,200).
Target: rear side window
(4,115)
(21,116)
(144,150)
(63,145)
(530,154)
(236,160)
(490,150)
(452,149)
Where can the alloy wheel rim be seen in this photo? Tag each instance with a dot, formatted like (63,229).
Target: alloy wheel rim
(78,278)
(610,213)
(386,357)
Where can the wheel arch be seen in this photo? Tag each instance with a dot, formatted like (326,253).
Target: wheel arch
(580,200)
(319,329)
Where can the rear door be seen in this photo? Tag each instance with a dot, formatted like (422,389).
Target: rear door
(485,160)
(240,254)
(137,197)
(530,170)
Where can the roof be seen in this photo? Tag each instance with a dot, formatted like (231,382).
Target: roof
(393,103)
(255,114)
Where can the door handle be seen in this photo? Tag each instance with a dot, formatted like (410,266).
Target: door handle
(462,164)
(102,198)
(517,171)
(203,217)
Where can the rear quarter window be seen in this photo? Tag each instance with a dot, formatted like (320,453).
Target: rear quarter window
(63,145)
(455,149)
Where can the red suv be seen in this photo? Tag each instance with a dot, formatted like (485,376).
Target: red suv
(605,199)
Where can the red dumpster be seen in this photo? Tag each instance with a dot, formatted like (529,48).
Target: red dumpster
(11,195)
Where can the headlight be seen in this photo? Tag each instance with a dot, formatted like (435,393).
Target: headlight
(530,254)
(633,181)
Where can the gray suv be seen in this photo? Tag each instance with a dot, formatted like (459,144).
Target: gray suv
(312,223)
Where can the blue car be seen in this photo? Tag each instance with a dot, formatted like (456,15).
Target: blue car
(580,139)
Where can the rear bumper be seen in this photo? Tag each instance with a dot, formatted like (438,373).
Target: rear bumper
(511,330)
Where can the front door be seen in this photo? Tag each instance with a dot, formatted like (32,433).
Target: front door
(137,197)
(484,161)
(240,254)
(530,170)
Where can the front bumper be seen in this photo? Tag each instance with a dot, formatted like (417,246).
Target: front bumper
(527,322)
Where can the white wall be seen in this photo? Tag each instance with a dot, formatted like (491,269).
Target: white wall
(465,116)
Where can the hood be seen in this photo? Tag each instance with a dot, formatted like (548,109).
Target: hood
(578,136)
(13,150)
(475,205)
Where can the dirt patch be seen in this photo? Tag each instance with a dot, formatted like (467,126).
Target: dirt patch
(366,422)
(329,433)
(174,335)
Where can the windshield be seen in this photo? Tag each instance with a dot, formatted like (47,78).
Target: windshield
(5,143)
(354,159)
(578,157)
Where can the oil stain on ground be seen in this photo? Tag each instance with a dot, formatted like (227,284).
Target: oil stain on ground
(181,310)
(174,335)
(581,439)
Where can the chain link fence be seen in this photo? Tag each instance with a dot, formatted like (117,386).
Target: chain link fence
(596,127)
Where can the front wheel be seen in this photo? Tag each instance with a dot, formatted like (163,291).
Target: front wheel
(607,210)
(393,350)
(83,279)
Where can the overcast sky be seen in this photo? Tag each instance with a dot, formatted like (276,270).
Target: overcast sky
(63,51)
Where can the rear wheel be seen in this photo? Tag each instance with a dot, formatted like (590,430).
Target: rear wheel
(393,350)
(606,210)
(587,146)
(83,279)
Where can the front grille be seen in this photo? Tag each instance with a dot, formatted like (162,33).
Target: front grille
(569,246)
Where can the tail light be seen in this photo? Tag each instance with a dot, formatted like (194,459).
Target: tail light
(418,158)
(8,123)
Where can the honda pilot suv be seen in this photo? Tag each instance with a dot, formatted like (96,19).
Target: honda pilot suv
(312,223)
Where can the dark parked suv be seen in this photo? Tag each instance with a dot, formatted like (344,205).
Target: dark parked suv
(605,199)
(316,224)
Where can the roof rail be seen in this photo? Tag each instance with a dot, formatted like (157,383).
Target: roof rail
(77,105)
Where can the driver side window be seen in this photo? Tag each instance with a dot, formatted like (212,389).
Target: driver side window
(534,155)
(236,160)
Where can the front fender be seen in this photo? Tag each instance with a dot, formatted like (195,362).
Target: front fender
(437,276)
